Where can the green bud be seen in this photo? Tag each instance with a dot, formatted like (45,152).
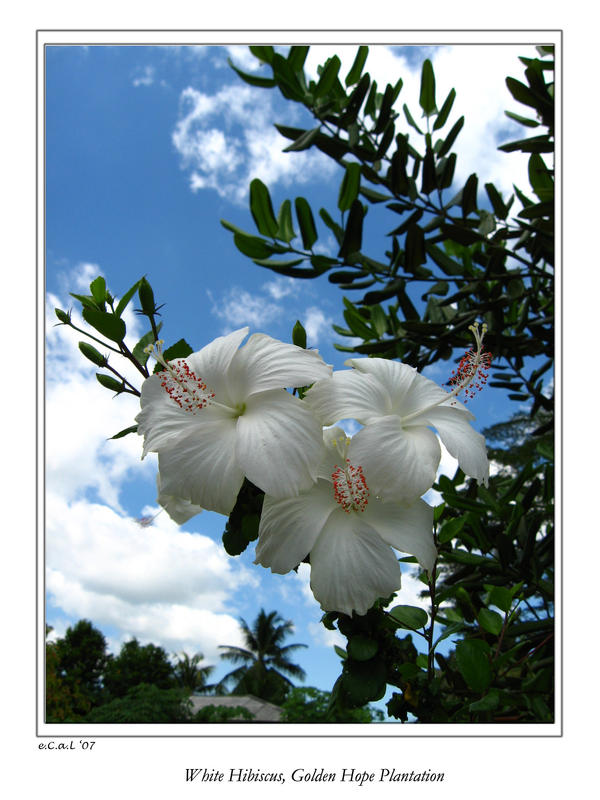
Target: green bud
(63,316)
(146,296)
(109,383)
(92,354)
(299,335)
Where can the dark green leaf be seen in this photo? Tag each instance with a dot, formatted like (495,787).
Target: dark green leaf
(364,681)
(451,529)
(340,652)
(285,231)
(410,120)
(87,301)
(297,56)
(138,350)
(500,209)
(262,209)
(98,290)
(304,141)
(262,52)
(253,80)
(443,261)
(490,621)
(349,186)
(357,67)
(530,123)
(427,95)
(540,178)
(181,349)
(108,325)
(411,617)
(253,246)
(428,178)
(336,229)
(122,304)
(469,195)
(306,222)
(124,432)
(352,241)
(473,663)
(414,247)
(328,76)
(451,138)
(361,648)
(299,335)
(444,112)
(279,264)
(500,596)
(487,703)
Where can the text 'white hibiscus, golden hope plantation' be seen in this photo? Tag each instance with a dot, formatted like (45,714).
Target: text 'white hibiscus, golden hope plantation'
(223,414)
(398,407)
(348,531)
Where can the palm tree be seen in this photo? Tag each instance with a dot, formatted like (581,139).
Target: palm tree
(190,675)
(264,660)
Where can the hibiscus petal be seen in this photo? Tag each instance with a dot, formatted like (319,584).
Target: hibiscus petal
(349,394)
(422,394)
(395,376)
(398,464)
(407,528)
(202,467)
(162,422)
(178,508)
(212,363)
(264,363)
(332,439)
(462,440)
(289,527)
(279,443)
(351,565)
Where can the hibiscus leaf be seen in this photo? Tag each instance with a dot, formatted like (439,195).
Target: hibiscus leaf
(411,617)
(108,325)
(361,648)
(299,335)
(473,663)
(122,304)
(363,681)
(98,290)
(262,209)
(181,349)
(490,621)
(138,350)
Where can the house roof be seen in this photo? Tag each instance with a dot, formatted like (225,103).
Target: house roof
(261,710)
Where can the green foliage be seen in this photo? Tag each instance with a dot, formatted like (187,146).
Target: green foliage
(492,595)
(137,664)
(145,703)
(310,705)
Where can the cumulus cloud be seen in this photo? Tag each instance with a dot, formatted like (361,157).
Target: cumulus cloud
(315,322)
(238,307)
(144,77)
(226,139)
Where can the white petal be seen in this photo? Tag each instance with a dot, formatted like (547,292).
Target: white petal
(213,362)
(334,439)
(289,527)
(422,394)
(462,440)
(349,394)
(394,375)
(407,528)
(202,467)
(279,443)
(398,464)
(351,566)
(179,509)
(265,363)
(161,421)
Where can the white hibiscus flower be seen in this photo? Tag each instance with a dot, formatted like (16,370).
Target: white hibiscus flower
(348,531)
(222,413)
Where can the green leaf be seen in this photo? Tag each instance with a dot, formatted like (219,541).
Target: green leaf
(443,261)
(361,648)
(109,382)
(530,123)
(297,56)
(427,95)
(262,209)
(349,186)
(411,617)
(249,526)
(451,138)
(328,76)
(540,178)
(356,322)
(108,325)
(500,208)
(473,663)
(352,241)
(499,596)
(138,351)
(234,541)
(285,230)
(490,621)
(122,304)
(451,529)
(414,245)
(444,111)
(522,93)
(487,224)
(92,354)
(87,301)
(98,290)
(469,195)
(253,80)
(262,52)
(303,142)
(357,67)
(181,349)
(341,653)
(379,320)
(410,120)
(364,681)
(336,229)
(306,222)
(299,335)
(62,316)
(279,264)
(125,432)
(253,246)
(487,703)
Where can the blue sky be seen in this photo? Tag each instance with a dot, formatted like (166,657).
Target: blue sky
(147,148)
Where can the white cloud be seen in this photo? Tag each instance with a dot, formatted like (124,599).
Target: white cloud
(238,307)
(281,287)
(315,322)
(157,583)
(145,76)
(227,139)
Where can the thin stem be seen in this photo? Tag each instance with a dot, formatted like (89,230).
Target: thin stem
(132,388)
(429,632)
(89,335)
